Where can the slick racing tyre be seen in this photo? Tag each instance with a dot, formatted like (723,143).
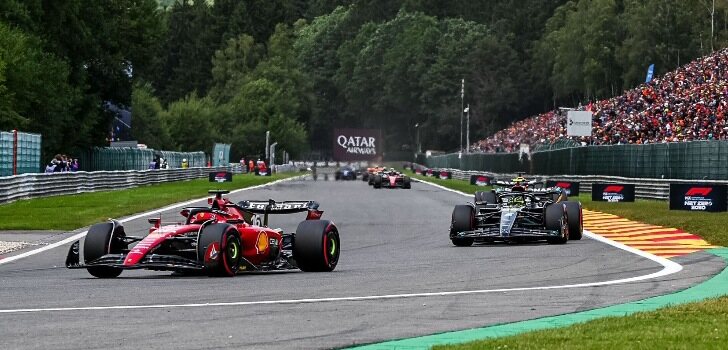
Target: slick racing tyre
(378,181)
(365,176)
(463,217)
(102,239)
(555,197)
(485,197)
(555,219)
(371,180)
(407,182)
(316,246)
(219,250)
(576,220)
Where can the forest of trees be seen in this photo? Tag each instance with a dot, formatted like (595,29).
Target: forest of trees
(199,72)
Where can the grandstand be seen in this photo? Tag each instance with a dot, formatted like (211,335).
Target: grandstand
(683,105)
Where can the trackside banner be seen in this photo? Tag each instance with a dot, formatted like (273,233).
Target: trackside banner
(571,188)
(357,144)
(613,192)
(221,176)
(698,197)
(479,180)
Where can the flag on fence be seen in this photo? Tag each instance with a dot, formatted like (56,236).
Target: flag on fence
(650,72)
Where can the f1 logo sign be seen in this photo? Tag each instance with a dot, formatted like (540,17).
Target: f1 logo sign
(698,191)
(614,189)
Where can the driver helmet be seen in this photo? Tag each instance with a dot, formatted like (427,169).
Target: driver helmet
(519,184)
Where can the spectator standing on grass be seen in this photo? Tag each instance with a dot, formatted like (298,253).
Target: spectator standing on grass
(51,167)
(58,161)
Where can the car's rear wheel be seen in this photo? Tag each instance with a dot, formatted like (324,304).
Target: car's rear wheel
(316,246)
(555,219)
(378,181)
(463,219)
(219,250)
(486,197)
(102,239)
(575,219)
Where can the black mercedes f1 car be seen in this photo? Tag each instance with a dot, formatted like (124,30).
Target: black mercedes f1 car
(517,214)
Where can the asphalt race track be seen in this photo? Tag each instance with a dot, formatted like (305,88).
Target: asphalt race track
(393,242)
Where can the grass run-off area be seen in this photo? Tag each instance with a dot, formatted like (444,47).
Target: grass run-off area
(69,212)
(691,326)
(701,325)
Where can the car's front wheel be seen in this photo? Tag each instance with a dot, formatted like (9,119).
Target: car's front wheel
(102,239)
(575,219)
(220,250)
(555,219)
(463,219)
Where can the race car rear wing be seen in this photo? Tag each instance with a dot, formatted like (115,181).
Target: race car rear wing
(287,207)
(273,207)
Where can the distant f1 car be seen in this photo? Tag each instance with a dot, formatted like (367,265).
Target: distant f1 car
(392,179)
(517,214)
(369,174)
(345,173)
(220,240)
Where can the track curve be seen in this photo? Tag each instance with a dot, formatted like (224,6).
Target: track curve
(393,242)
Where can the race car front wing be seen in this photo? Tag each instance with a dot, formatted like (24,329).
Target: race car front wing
(151,261)
(516,233)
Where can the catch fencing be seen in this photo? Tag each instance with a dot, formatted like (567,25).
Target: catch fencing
(19,153)
(697,160)
(115,158)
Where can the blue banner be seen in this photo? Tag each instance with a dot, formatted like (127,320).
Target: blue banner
(650,72)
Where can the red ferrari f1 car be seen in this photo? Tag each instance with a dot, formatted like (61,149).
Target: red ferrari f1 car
(391,179)
(220,240)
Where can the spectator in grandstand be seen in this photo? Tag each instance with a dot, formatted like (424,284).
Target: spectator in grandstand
(687,104)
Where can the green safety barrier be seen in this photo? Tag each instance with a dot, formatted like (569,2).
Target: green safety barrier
(695,160)
(114,158)
(221,154)
(25,150)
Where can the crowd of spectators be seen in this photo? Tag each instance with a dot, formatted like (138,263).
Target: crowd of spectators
(62,163)
(687,104)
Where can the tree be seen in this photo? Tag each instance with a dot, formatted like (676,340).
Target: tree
(35,95)
(232,65)
(191,123)
(148,124)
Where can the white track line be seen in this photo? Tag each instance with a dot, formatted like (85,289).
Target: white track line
(134,217)
(665,271)
(669,267)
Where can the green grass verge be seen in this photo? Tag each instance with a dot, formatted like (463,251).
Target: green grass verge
(70,212)
(460,185)
(692,326)
(700,325)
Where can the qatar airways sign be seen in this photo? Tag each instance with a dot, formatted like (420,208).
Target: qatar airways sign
(357,144)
